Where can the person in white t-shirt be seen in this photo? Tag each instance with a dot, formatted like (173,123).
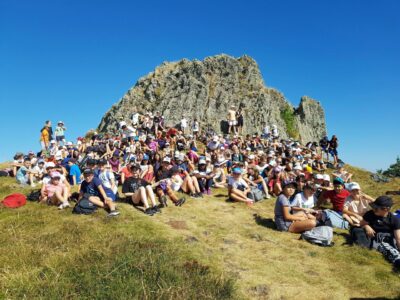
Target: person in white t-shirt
(305,201)
(238,187)
(184,124)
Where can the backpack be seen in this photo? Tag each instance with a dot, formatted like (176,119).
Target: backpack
(14,200)
(84,207)
(33,195)
(255,194)
(4,173)
(321,236)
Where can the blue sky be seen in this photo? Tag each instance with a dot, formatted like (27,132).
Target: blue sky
(71,60)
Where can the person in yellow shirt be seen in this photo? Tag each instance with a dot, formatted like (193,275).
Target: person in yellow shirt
(45,136)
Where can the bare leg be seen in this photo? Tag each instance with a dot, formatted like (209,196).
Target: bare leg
(150,195)
(301,226)
(196,184)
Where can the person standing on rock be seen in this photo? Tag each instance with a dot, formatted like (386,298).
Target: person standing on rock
(157,123)
(183,125)
(232,119)
(195,128)
(239,117)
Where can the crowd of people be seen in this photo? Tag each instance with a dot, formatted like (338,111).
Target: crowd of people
(158,165)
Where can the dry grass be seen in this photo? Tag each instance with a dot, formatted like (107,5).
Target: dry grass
(236,241)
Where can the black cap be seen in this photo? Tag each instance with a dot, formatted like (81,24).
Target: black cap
(288,183)
(381,202)
(88,172)
(135,167)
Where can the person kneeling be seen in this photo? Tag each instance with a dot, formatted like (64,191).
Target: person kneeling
(93,190)
(139,191)
(285,220)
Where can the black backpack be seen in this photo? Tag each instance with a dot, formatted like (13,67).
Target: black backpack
(84,207)
(33,196)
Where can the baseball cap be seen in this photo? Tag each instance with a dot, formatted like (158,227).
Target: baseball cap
(215,138)
(55,175)
(202,161)
(354,186)
(381,202)
(319,176)
(50,164)
(237,171)
(167,159)
(145,157)
(251,156)
(289,183)
(326,177)
(88,172)
(338,181)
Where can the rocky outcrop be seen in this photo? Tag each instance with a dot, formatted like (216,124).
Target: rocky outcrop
(206,89)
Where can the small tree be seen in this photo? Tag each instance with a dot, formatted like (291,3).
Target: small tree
(393,170)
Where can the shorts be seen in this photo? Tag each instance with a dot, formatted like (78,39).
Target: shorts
(282,225)
(232,122)
(60,138)
(333,152)
(240,122)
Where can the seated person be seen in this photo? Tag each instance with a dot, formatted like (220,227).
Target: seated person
(92,189)
(54,192)
(107,179)
(285,220)
(342,173)
(25,174)
(74,172)
(139,191)
(253,178)
(238,187)
(204,177)
(219,176)
(305,201)
(381,230)
(39,170)
(337,198)
(163,184)
(356,205)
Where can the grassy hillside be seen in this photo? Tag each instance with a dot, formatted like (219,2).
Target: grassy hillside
(207,249)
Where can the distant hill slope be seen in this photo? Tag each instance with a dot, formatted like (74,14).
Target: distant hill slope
(206,89)
(207,249)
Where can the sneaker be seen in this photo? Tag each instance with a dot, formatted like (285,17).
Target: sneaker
(209,192)
(194,195)
(63,205)
(163,201)
(113,213)
(156,209)
(199,195)
(149,211)
(180,202)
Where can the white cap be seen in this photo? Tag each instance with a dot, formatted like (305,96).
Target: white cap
(52,142)
(60,122)
(50,164)
(297,167)
(326,177)
(167,159)
(354,186)
(222,148)
(251,156)
(202,161)
(319,176)
(248,149)
(122,123)
(208,158)
(69,143)
(215,138)
(272,163)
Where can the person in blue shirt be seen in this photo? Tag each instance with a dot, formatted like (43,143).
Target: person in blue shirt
(74,172)
(93,190)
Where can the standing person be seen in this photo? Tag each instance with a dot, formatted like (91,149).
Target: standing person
(195,129)
(239,117)
(324,144)
(60,133)
(157,123)
(45,135)
(333,145)
(183,125)
(232,119)
(135,118)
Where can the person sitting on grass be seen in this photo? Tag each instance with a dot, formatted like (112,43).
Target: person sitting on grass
(285,218)
(74,172)
(253,178)
(380,229)
(337,198)
(356,205)
(107,179)
(55,192)
(238,187)
(342,173)
(139,191)
(204,177)
(25,174)
(92,189)
(305,200)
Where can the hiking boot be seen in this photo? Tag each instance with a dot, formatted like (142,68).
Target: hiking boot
(163,201)
(113,213)
(199,195)
(149,211)
(194,195)
(180,202)
(156,209)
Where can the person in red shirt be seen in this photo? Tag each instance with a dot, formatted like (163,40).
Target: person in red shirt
(126,171)
(337,197)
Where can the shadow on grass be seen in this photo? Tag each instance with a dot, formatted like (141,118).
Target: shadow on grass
(266,222)
(346,236)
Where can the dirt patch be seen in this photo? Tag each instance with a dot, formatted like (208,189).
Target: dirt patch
(177,224)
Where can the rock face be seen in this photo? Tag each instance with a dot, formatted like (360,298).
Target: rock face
(206,89)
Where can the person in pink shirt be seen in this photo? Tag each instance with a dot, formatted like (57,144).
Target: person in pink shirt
(55,192)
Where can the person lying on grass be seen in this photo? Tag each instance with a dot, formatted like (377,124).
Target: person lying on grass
(54,192)
(356,205)
(238,187)
(285,219)
(139,191)
(92,189)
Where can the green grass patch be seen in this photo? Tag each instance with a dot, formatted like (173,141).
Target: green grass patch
(287,115)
